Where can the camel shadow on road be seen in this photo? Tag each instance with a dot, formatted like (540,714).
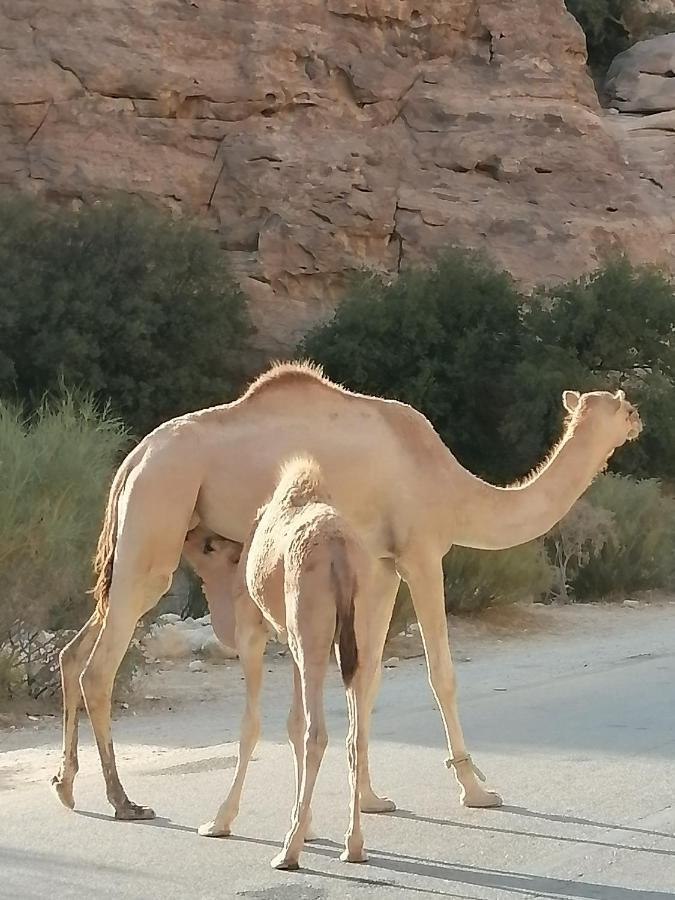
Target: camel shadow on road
(565,820)
(528,885)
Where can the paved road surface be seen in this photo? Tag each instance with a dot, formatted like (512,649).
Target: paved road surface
(576,729)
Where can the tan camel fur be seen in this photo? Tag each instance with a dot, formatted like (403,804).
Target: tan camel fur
(302,570)
(388,473)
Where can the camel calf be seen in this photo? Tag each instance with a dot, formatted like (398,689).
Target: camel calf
(303,567)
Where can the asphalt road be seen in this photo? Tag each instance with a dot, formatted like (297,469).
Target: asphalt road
(577,730)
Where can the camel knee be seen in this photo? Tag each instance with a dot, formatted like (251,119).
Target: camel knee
(442,677)
(250,729)
(71,665)
(155,584)
(295,726)
(316,740)
(95,689)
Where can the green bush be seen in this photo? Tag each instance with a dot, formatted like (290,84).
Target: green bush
(55,468)
(475,579)
(575,541)
(441,339)
(640,552)
(120,300)
(612,328)
(487,365)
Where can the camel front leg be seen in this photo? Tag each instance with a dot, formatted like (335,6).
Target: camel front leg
(251,637)
(425,580)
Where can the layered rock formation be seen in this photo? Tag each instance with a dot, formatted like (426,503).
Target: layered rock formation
(318,136)
(640,83)
(642,79)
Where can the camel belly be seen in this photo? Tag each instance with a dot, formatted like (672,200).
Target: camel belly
(232,493)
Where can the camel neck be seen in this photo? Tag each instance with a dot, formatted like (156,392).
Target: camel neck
(495,518)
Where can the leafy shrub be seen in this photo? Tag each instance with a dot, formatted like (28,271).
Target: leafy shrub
(55,467)
(487,365)
(475,579)
(612,328)
(120,300)
(576,540)
(439,339)
(640,554)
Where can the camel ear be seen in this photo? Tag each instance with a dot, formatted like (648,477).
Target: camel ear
(620,396)
(571,400)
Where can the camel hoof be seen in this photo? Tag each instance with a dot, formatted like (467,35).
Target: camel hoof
(132,812)
(377,804)
(282,862)
(213,830)
(482,799)
(64,792)
(355,857)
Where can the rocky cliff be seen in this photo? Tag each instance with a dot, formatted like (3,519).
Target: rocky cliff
(317,136)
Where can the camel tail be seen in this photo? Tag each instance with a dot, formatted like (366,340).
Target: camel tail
(107,541)
(344,585)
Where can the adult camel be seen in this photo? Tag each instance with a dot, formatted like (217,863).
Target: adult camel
(387,471)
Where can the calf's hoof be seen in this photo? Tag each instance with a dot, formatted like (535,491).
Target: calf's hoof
(283,862)
(64,792)
(354,856)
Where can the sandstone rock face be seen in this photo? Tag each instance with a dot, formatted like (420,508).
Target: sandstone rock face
(638,82)
(642,78)
(319,136)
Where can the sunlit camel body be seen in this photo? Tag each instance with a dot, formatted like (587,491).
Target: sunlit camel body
(388,473)
(304,571)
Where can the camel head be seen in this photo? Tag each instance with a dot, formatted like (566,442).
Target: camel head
(611,414)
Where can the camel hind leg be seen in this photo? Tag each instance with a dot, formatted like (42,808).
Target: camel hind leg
(310,620)
(72,660)
(295,725)
(98,677)
(312,675)
(152,513)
